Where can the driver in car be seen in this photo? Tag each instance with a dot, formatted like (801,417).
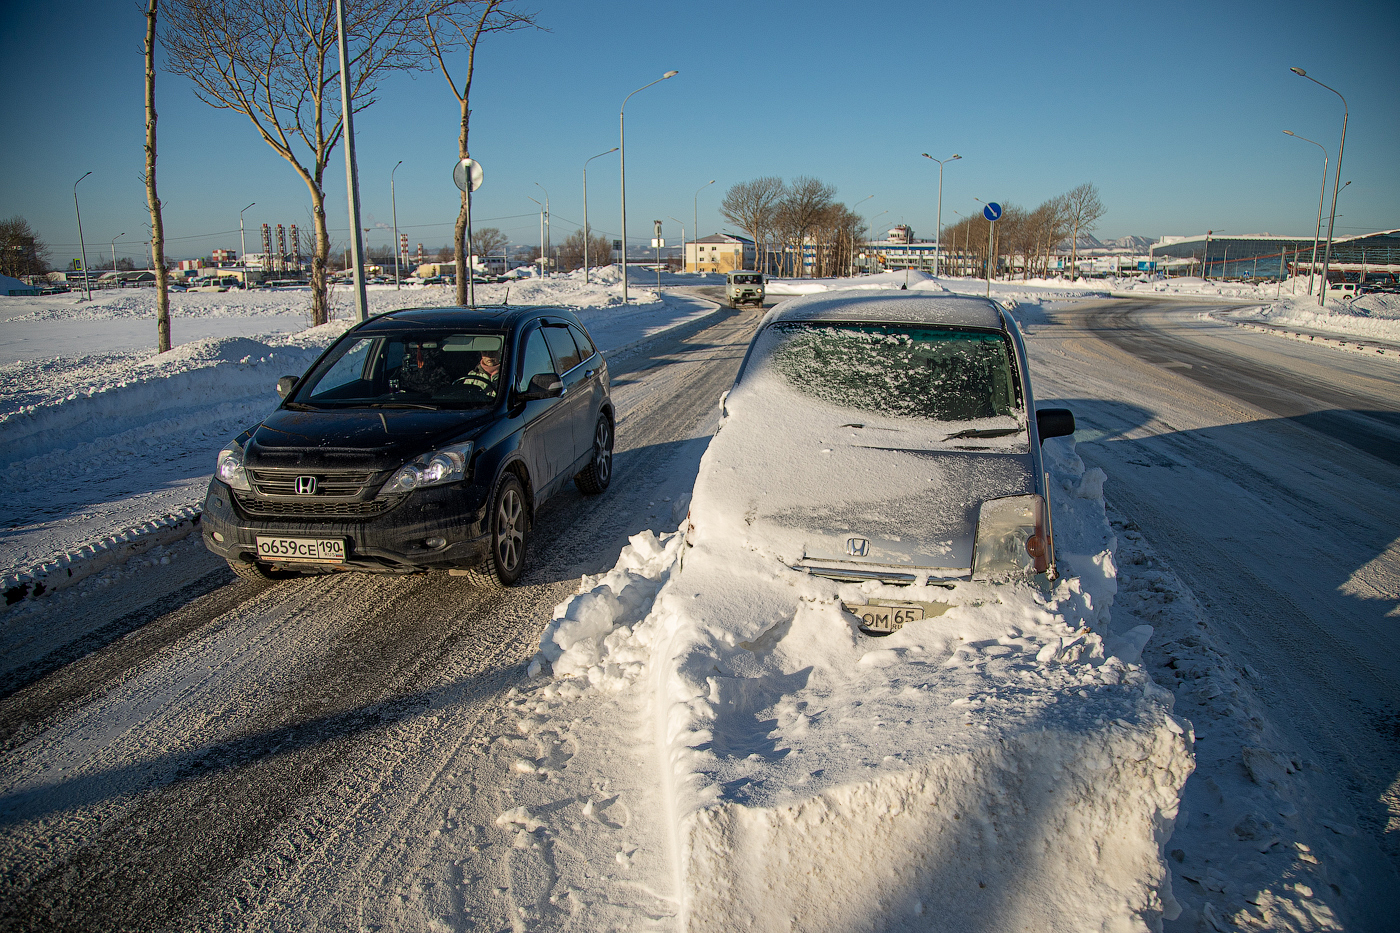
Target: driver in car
(423,369)
(486,374)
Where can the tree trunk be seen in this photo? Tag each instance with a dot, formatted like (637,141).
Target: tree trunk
(152,199)
(321,259)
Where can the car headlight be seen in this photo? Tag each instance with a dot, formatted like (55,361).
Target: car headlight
(229,467)
(447,465)
(1013,539)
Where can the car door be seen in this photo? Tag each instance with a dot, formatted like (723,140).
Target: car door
(578,392)
(547,427)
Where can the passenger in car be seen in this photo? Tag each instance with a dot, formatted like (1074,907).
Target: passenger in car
(423,369)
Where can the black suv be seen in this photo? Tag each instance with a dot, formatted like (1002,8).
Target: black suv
(420,440)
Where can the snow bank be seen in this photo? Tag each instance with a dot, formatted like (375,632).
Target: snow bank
(1008,759)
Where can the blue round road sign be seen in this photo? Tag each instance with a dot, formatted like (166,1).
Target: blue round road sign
(992,211)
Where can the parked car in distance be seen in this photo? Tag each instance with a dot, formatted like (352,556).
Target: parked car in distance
(744,288)
(422,439)
(905,448)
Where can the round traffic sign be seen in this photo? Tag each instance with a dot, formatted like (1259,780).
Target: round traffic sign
(992,211)
(459,173)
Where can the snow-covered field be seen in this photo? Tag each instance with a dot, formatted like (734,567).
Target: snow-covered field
(1016,765)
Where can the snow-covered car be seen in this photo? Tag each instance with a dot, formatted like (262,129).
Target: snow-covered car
(421,440)
(888,437)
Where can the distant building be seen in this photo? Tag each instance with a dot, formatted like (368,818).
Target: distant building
(900,233)
(223,256)
(1267,256)
(719,252)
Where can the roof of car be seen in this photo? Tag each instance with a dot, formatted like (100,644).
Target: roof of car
(898,307)
(494,316)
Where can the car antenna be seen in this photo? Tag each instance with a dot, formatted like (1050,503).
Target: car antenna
(506,303)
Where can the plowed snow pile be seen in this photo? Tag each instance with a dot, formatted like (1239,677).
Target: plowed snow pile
(1008,765)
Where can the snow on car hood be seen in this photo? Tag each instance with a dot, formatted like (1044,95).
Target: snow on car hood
(798,479)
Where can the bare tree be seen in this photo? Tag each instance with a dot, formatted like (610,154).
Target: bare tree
(1084,209)
(21,252)
(571,251)
(806,201)
(153,199)
(462,23)
(488,241)
(751,206)
(276,62)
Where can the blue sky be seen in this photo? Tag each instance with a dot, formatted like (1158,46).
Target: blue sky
(1175,112)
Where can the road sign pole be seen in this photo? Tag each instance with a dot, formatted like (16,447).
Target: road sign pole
(991,211)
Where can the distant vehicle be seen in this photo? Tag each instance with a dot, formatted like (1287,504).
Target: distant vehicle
(906,448)
(423,439)
(744,288)
(212,283)
(1343,291)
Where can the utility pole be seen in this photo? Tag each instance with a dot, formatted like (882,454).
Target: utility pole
(352,178)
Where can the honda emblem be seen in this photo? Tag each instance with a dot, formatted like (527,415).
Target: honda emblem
(306,485)
(857,547)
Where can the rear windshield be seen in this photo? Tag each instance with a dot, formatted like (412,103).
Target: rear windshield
(899,371)
(446,369)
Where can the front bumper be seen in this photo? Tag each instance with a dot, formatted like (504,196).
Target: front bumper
(391,542)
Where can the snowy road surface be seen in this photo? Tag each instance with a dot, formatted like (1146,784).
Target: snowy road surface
(1267,473)
(267,758)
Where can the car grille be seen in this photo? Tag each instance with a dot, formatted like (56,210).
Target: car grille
(329,485)
(307,508)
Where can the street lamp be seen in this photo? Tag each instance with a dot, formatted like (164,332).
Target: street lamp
(622,165)
(1346,113)
(586,233)
(681,223)
(544,246)
(243,245)
(852,267)
(695,216)
(114,250)
(544,258)
(1321,194)
(394,206)
(87,290)
(938,235)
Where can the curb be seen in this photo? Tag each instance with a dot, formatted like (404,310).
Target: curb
(1354,344)
(74,566)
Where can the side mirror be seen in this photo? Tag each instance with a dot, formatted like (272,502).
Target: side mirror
(285,385)
(1054,422)
(543,385)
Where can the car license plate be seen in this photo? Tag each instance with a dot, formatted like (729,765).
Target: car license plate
(314,550)
(890,617)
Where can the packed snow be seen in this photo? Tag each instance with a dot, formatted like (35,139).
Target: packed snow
(1014,762)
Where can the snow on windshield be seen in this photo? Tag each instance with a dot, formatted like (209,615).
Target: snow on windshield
(907,372)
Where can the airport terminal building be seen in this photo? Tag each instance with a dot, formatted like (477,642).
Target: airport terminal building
(1264,256)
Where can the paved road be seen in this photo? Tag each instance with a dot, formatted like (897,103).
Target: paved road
(232,756)
(1267,473)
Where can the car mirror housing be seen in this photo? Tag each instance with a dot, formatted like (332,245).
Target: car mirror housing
(1054,422)
(285,385)
(543,385)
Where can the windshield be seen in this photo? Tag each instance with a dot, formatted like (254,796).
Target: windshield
(747,280)
(417,370)
(900,371)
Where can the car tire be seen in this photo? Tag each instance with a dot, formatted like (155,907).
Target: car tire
(254,572)
(510,527)
(598,474)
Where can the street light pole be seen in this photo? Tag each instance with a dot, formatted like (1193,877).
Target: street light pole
(394,206)
(243,246)
(695,217)
(851,267)
(1321,195)
(682,226)
(543,258)
(586,233)
(87,289)
(352,175)
(622,165)
(1346,113)
(114,249)
(938,234)
(545,246)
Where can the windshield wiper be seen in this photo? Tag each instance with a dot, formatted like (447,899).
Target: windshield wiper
(421,405)
(983,432)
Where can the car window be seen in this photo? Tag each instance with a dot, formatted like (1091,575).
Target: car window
(585,344)
(940,374)
(443,369)
(346,376)
(565,351)
(534,360)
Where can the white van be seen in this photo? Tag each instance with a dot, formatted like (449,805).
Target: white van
(744,288)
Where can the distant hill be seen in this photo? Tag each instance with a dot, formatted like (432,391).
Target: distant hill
(1138,244)
(1126,244)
